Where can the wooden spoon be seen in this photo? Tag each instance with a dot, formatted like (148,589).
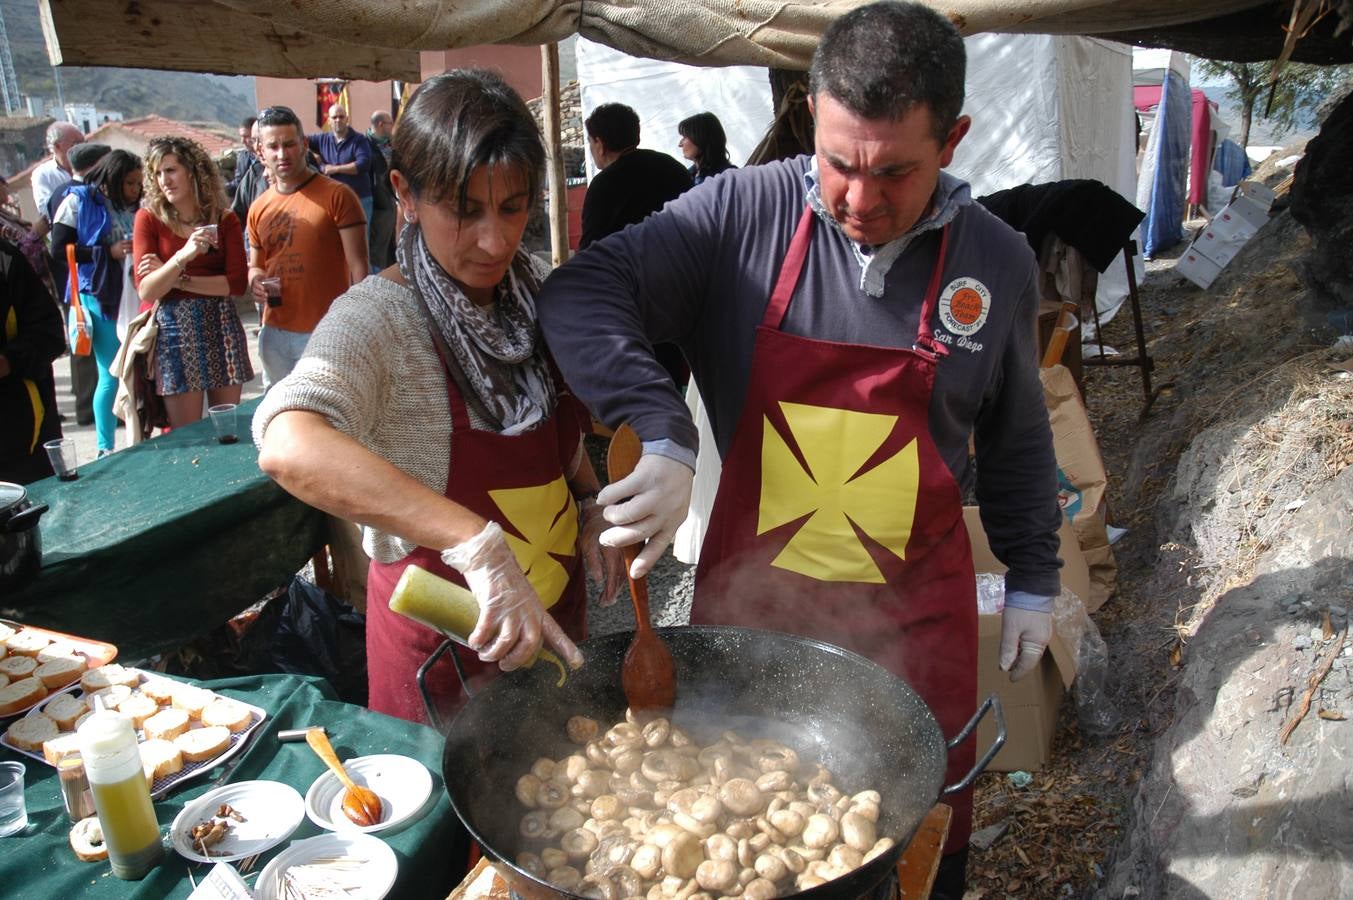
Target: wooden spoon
(360,804)
(648,673)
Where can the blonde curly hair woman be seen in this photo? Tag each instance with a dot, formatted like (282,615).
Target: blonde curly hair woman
(189,253)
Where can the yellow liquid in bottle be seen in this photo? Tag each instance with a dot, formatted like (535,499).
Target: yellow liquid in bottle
(129,826)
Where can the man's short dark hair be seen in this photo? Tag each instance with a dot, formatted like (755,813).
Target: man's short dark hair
(615,125)
(279,115)
(882,60)
(248,122)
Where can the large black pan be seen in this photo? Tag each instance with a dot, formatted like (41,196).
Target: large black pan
(858,719)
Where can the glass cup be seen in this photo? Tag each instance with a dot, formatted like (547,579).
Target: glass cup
(223,417)
(13,811)
(213,234)
(272,285)
(64,458)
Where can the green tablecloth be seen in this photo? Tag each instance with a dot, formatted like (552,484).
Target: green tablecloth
(39,862)
(160,543)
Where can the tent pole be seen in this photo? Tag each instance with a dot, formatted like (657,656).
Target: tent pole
(554,153)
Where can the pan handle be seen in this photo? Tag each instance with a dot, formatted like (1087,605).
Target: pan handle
(428,706)
(991,703)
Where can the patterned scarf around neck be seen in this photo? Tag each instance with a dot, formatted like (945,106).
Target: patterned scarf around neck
(498,346)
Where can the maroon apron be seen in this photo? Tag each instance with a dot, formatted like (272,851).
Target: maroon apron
(517,481)
(837,519)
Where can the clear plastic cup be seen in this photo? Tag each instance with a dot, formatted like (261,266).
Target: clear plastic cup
(13,809)
(224,416)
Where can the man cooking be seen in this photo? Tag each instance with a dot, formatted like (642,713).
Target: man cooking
(850,318)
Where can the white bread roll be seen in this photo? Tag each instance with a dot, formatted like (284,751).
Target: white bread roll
(58,673)
(234,716)
(61,746)
(192,700)
(17,667)
(161,690)
(107,676)
(65,709)
(29,732)
(160,759)
(27,642)
(202,744)
(20,695)
(166,725)
(86,839)
(138,707)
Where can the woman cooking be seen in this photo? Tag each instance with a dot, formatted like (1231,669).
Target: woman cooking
(426,408)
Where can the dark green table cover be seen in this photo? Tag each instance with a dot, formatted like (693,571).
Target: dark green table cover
(39,863)
(157,544)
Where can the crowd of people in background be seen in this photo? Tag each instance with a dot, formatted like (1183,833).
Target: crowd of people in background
(301,217)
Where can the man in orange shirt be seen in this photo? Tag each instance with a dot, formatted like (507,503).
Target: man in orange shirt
(308,231)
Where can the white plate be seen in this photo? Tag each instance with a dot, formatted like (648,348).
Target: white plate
(402,784)
(375,873)
(271,812)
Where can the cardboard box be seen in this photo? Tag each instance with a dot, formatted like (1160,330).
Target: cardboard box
(1252,211)
(1031,704)
(1258,192)
(1223,237)
(1197,268)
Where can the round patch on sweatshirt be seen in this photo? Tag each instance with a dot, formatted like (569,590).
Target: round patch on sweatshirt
(964,305)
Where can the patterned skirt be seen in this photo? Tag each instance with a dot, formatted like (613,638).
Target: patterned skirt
(201,346)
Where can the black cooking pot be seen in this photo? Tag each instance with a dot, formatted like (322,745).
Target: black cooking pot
(20,540)
(865,724)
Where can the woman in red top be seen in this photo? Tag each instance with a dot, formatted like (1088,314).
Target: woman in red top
(189,252)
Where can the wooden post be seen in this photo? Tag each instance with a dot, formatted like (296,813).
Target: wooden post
(554,154)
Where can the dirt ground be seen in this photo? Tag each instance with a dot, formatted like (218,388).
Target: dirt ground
(1252,351)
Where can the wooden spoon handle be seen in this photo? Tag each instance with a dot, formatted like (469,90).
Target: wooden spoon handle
(319,742)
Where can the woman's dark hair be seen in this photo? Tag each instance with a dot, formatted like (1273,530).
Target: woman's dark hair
(109,173)
(705,131)
(881,60)
(461,120)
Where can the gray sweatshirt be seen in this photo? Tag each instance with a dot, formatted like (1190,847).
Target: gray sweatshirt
(700,273)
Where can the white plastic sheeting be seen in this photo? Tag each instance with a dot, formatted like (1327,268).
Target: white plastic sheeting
(1047,108)
(664,93)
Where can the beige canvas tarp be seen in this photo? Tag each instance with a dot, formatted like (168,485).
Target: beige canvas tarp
(376,39)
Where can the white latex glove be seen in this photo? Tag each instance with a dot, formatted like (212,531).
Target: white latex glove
(512,622)
(647,506)
(605,565)
(1024,635)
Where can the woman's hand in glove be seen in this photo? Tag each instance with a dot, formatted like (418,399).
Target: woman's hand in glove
(648,505)
(1024,635)
(605,565)
(512,621)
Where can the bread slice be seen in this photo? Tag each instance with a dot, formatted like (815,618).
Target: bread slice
(60,651)
(160,689)
(139,708)
(20,695)
(160,759)
(166,724)
(107,676)
(192,700)
(27,642)
(86,839)
(234,716)
(4,651)
(65,709)
(203,743)
(6,632)
(112,697)
(4,679)
(59,672)
(16,667)
(29,732)
(58,748)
